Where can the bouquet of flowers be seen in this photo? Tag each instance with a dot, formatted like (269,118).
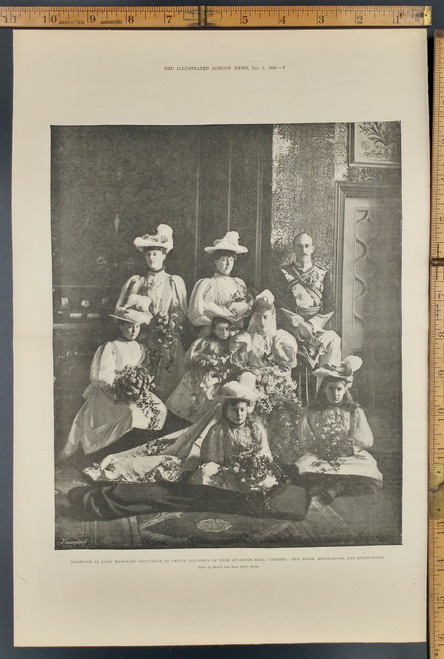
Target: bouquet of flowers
(240,302)
(207,361)
(276,389)
(133,384)
(240,296)
(254,470)
(163,335)
(332,442)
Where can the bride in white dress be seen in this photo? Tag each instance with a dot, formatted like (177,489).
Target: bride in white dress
(221,295)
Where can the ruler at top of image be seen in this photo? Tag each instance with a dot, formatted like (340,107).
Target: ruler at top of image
(318,16)
(436,365)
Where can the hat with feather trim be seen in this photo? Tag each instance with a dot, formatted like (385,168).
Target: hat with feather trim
(243,389)
(163,239)
(229,243)
(344,371)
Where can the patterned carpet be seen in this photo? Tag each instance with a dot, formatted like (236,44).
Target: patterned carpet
(366,519)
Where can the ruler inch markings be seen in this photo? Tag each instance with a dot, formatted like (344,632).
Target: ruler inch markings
(436,365)
(232,16)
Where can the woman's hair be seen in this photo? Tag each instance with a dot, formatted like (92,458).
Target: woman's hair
(219,319)
(229,402)
(120,326)
(321,401)
(156,247)
(260,306)
(223,252)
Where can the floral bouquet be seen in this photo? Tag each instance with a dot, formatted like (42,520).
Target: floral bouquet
(239,304)
(133,384)
(256,471)
(280,409)
(276,389)
(163,336)
(240,296)
(210,362)
(332,441)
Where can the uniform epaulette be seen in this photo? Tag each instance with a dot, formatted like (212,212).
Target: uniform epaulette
(320,267)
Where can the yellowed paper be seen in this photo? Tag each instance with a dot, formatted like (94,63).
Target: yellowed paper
(210,596)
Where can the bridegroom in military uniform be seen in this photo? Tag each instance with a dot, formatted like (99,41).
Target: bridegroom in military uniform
(305,303)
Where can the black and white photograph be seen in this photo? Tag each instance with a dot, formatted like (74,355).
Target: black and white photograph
(227,335)
(220,337)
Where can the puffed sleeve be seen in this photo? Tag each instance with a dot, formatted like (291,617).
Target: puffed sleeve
(240,348)
(179,304)
(360,431)
(285,349)
(103,365)
(130,288)
(202,306)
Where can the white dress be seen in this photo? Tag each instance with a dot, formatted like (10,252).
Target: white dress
(101,420)
(211,440)
(159,292)
(219,295)
(254,350)
(323,426)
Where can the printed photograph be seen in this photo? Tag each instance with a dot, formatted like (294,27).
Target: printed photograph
(227,335)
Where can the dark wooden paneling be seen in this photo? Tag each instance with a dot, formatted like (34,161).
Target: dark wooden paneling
(201,180)
(112,183)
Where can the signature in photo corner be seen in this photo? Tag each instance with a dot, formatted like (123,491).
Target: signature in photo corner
(71,543)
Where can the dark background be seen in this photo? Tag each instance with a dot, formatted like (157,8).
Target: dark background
(313,651)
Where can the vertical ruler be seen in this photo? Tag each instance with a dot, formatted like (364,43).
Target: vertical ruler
(436,365)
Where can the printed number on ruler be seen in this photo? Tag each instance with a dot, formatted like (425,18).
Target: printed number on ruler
(436,367)
(213,16)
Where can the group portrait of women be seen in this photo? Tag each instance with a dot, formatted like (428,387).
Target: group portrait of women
(220,421)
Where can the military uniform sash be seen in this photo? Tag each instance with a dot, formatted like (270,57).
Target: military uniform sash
(310,280)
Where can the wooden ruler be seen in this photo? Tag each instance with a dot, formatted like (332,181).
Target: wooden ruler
(436,365)
(318,16)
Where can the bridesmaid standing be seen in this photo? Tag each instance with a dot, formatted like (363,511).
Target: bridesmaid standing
(163,297)
(221,295)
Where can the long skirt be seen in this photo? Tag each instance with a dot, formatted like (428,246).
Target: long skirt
(359,464)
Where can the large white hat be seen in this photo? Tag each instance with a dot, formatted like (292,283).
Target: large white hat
(343,371)
(163,238)
(244,388)
(128,315)
(229,243)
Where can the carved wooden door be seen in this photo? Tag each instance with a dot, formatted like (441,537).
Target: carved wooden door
(368,286)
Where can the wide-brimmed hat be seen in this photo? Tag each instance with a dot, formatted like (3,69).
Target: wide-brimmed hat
(162,239)
(342,371)
(229,243)
(128,315)
(244,388)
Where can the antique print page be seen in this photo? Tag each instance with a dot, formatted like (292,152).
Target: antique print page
(220,247)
